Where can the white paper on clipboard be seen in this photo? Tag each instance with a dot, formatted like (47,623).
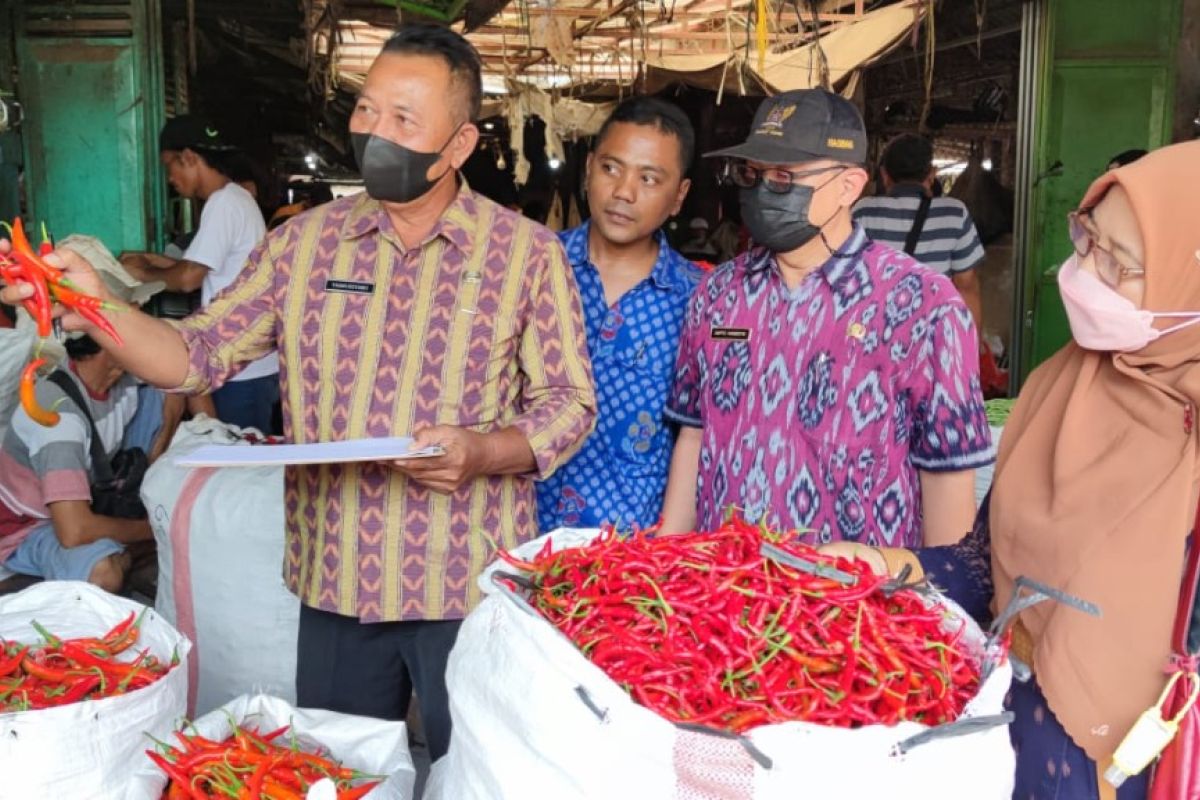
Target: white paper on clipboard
(345,452)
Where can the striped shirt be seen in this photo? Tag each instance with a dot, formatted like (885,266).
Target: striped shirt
(948,243)
(478,326)
(40,465)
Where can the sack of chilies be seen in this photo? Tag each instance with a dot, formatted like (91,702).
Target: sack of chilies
(258,746)
(84,748)
(734,664)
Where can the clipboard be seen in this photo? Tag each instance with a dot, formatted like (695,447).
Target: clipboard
(348,451)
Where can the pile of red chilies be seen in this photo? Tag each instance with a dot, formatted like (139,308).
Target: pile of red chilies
(64,671)
(252,766)
(703,629)
(24,264)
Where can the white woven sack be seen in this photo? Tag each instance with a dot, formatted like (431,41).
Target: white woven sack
(220,570)
(533,717)
(372,746)
(85,750)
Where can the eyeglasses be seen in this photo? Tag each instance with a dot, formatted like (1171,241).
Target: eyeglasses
(1110,268)
(776,179)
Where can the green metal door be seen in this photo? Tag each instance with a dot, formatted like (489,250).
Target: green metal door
(90,80)
(1106,86)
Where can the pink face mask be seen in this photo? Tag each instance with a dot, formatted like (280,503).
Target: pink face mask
(1105,321)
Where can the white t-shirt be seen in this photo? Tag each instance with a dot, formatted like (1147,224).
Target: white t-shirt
(231,225)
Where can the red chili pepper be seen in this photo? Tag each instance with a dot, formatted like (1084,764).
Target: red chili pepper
(703,629)
(177,777)
(255,785)
(13,274)
(357,792)
(26,254)
(276,772)
(279,791)
(28,394)
(96,318)
(62,671)
(10,665)
(41,302)
(76,300)
(81,689)
(37,669)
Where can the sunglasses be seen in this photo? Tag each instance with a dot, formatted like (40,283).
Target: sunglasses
(776,179)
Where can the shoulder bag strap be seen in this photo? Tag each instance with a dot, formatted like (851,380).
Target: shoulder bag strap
(100,466)
(918,226)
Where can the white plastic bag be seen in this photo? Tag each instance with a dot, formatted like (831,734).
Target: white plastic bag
(533,717)
(85,750)
(220,570)
(15,348)
(369,745)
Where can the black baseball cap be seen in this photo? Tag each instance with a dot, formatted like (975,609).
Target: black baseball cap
(192,132)
(803,125)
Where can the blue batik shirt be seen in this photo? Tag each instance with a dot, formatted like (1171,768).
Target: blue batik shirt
(620,474)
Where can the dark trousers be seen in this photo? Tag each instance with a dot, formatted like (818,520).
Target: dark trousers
(372,669)
(249,404)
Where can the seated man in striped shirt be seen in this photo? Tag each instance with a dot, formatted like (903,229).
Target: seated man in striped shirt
(937,231)
(48,527)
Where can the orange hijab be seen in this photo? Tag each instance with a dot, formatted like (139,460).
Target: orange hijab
(1097,480)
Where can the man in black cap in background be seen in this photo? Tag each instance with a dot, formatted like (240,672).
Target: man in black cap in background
(825,383)
(199,164)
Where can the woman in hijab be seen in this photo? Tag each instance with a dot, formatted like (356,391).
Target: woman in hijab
(1096,485)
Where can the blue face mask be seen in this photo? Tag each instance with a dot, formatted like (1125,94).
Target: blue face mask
(392,172)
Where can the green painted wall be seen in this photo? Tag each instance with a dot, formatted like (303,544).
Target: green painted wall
(93,103)
(1107,83)
(10,141)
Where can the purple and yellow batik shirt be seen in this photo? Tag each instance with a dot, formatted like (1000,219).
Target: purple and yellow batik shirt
(478,326)
(820,404)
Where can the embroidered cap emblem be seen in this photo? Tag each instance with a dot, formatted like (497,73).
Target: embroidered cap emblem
(773,124)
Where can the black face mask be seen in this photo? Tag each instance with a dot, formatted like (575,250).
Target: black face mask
(392,172)
(780,222)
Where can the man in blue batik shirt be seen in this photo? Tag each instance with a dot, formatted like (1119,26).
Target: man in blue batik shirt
(635,290)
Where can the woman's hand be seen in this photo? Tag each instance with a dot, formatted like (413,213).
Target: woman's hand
(852,550)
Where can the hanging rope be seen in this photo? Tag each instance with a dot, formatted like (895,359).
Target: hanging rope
(980,17)
(818,52)
(643,71)
(930,54)
(760,33)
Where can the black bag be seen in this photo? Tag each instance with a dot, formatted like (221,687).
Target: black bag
(117,485)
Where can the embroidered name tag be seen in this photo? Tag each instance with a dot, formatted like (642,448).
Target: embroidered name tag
(729,334)
(349,287)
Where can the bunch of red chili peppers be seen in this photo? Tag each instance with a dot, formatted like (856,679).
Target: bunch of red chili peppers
(251,765)
(705,629)
(24,264)
(64,671)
